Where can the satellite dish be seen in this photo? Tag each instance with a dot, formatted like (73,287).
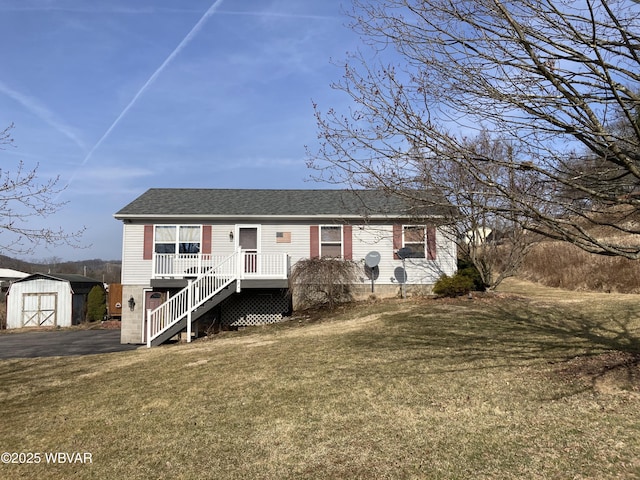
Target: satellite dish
(372,259)
(400,274)
(372,273)
(404,252)
(371,270)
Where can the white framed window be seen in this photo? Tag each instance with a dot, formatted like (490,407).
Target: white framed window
(177,238)
(414,238)
(331,241)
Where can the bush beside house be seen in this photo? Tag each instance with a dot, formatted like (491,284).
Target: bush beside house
(465,280)
(96,304)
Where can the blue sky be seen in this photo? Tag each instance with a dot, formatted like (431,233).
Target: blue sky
(119,96)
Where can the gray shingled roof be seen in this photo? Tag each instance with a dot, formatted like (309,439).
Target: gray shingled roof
(158,202)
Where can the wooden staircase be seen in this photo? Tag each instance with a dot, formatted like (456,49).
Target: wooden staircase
(197,298)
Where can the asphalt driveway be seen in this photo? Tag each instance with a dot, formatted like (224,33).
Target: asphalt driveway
(61,343)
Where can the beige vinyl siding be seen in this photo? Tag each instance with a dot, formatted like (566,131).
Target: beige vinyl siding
(135,270)
(220,242)
(447,251)
(374,238)
(379,238)
(367,237)
(424,271)
(297,249)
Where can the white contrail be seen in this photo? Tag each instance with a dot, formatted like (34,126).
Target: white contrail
(43,113)
(194,31)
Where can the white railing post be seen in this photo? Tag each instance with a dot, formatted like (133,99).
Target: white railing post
(283,265)
(190,308)
(239,267)
(148,316)
(240,264)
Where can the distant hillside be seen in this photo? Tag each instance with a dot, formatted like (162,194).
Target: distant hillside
(105,271)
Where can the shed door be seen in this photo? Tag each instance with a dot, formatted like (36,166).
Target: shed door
(39,309)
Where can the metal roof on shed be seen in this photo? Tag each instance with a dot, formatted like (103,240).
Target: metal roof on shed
(63,277)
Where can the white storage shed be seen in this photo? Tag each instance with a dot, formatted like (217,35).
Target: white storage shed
(48,300)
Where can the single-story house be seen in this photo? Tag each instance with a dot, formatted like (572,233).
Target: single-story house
(48,300)
(187,252)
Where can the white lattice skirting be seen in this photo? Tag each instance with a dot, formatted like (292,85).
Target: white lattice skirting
(248,308)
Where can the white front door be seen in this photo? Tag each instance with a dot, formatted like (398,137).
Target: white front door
(249,242)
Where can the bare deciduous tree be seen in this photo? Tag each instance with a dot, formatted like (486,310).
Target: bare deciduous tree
(487,231)
(23,196)
(322,282)
(556,80)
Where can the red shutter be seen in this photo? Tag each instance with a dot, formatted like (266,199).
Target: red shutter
(397,240)
(206,239)
(148,243)
(347,235)
(314,241)
(431,242)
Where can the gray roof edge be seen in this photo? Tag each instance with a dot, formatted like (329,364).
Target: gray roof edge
(268,203)
(141,216)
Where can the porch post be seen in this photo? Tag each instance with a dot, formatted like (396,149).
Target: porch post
(148,317)
(285,262)
(189,308)
(239,268)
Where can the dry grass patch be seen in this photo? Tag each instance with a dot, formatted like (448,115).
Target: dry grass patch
(494,387)
(610,373)
(563,265)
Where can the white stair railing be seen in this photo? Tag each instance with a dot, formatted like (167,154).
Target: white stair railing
(196,293)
